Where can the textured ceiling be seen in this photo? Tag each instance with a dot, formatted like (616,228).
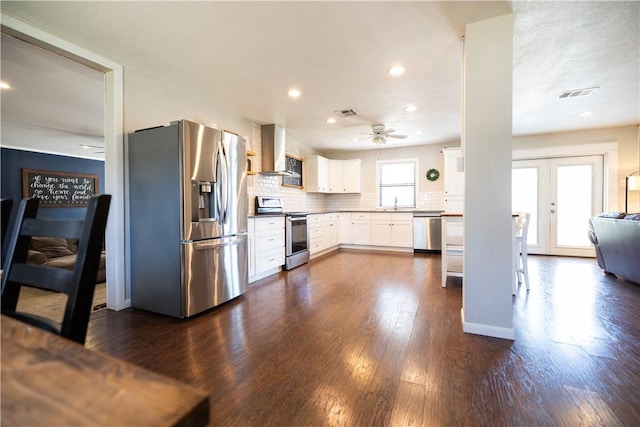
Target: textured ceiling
(246,55)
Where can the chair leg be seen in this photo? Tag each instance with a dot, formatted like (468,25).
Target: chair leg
(525,267)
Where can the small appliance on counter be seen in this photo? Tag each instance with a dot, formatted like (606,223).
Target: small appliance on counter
(296,230)
(269,205)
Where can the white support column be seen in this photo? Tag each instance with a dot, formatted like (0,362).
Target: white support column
(487,142)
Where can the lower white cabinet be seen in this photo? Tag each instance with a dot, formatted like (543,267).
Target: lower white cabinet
(393,229)
(344,234)
(361,228)
(323,232)
(268,246)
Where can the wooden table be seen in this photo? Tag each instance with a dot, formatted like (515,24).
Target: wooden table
(49,380)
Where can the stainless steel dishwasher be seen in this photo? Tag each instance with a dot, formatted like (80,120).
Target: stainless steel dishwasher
(427,232)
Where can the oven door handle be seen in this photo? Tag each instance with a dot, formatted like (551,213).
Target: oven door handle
(292,219)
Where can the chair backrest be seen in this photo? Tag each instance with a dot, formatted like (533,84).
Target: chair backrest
(78,284)
(7,204)
(522,226)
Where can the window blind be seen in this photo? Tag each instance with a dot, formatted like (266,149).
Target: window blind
(397,183)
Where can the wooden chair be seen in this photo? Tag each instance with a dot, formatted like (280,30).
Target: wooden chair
(6,204)
(78,284)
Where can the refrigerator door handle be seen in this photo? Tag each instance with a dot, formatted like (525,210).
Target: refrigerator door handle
(217,243)
(221,185)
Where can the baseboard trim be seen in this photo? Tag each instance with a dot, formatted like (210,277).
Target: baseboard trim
(487,330)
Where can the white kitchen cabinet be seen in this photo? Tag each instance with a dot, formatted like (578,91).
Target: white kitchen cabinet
(392,229)
(323,232)
(268,245)
(316,174)
(351,175)
(344,236)
(453,180)
(335,176)
(361,228)
(344,176)
(332,176)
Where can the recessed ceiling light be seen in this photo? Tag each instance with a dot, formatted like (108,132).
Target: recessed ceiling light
(354,139)
(396,70)
(586,113)
(410,108)
(418,132)
(4,85)
(331,120)
(294,93)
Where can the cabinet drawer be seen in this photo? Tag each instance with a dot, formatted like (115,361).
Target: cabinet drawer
(269,239)
(360,215)
(315,219)
(269,223)
(269,259)
(316,232)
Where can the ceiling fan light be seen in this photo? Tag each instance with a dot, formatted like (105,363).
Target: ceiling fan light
(410,108)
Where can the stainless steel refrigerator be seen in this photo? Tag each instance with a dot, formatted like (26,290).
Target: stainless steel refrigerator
(188,218)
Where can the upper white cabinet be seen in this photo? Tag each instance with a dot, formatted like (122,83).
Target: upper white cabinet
(453,180)
(344,176)
(316,174)
(332,176)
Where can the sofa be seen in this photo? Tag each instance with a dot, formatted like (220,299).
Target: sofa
(59,253)
(616,237)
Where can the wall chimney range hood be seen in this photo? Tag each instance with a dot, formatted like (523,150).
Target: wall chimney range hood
(273,151)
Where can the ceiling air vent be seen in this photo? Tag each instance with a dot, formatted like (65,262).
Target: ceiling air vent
(578,92)
(345,113)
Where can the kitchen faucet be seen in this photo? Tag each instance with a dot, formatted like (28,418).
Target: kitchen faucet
(395,203)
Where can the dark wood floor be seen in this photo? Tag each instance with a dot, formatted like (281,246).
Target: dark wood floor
(370,338)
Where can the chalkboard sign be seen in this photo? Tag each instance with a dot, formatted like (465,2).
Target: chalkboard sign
(294,165)
(59,189)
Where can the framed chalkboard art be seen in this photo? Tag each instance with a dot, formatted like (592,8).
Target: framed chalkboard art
(293,165)
(59,189)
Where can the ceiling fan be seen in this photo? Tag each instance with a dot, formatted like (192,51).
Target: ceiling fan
(379,134)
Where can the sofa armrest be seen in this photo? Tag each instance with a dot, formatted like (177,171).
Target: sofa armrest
(36,257)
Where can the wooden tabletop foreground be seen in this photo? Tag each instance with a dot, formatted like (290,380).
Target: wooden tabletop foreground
(49,380)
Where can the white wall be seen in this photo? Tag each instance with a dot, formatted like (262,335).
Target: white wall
(487,124)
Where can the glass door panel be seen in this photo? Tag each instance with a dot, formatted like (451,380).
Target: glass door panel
(576,195)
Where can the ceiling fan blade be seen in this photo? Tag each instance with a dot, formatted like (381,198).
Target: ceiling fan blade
(388,131)
(397,136)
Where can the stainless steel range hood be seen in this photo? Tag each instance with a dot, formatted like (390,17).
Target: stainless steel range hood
(273,151)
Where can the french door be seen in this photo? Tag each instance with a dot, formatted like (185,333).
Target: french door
(561,194)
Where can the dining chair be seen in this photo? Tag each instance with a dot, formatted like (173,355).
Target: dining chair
(522,229)
(6,205)
(78,284)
